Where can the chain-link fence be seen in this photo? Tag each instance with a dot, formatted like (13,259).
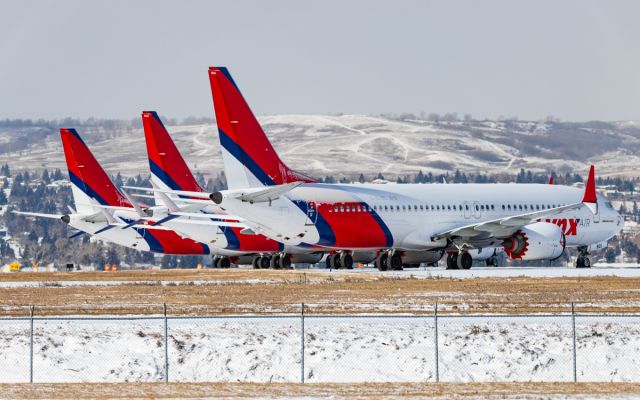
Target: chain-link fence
(321,348)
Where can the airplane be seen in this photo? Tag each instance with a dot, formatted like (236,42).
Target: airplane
(103,211)
(401,222)
(169,171)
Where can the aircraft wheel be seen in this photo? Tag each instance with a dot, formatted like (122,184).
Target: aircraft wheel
(274,262)
(346,260)
(452,261)
(587,262)
(255,262)
(381,261)
(224,262)
(285,261)
(328,261)
(464,260)
(264,262)
(335,261)
(394,261)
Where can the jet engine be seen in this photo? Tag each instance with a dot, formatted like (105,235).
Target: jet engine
(538,241)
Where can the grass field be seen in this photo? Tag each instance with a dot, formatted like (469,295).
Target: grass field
(261,291)
(311,391)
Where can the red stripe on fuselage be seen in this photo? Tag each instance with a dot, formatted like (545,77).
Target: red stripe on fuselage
(255,243)
(353,229)
(172,243)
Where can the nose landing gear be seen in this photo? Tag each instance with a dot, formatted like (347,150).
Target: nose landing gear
(583,260)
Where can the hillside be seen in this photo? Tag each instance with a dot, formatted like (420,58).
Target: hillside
(348,145)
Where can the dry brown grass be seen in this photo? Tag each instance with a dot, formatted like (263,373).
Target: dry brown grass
(336,391)
(237,291)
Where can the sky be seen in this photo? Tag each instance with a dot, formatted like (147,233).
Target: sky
(576,60)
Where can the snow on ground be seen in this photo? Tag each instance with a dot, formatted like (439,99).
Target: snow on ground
(126,283)
(337,349)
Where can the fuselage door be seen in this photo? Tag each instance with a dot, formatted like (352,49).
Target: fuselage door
(476,210)
(468,209)
(596,215)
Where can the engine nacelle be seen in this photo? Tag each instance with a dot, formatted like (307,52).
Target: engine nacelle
(538,241)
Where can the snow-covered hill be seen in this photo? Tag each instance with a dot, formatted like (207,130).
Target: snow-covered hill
(348,145)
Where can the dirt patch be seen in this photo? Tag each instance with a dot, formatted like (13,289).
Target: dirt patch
(256,291)
(336,391)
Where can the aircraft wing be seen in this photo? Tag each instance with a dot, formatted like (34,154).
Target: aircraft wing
(506,226)
(503,227)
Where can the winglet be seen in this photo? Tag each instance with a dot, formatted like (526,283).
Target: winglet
(590,199)
(551,180)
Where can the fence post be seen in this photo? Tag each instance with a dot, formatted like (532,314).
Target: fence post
(166,345)
(302,342)
(575,365)
(31,345)
(435,335)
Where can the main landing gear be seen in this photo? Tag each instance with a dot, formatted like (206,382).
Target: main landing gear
(340,260)
(389,260)
(583,260)
(459,260)
(221,262)
(275,261)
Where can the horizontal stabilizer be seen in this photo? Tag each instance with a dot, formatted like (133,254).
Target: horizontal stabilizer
(267,194)
(198,195)
(39,215)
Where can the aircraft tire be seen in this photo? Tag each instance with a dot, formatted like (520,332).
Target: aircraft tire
(394,262)
(224,262)
(452,261)
(381,261)
(274,262)
(464,260)
(335,261)
(264,262)
(285,261)
(346,260)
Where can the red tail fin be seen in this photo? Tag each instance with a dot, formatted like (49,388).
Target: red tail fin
(165,161)
(86,173)
(249,158)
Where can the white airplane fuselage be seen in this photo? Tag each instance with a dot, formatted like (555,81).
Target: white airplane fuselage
(407,216)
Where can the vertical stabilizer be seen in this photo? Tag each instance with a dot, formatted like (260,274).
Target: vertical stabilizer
(249,158)
(90,184)
(167,166)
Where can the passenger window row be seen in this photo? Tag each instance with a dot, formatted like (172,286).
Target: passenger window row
(355,208)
